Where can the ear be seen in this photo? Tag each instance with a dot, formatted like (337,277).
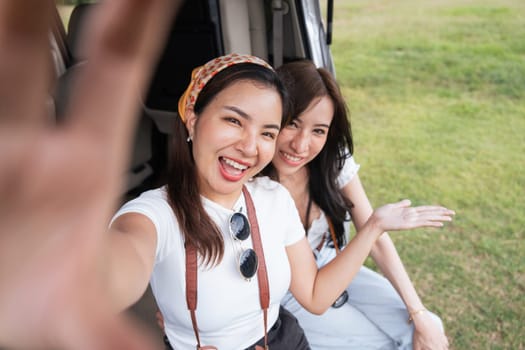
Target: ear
(191,119)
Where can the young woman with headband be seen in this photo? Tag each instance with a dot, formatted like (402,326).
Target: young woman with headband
(230,120)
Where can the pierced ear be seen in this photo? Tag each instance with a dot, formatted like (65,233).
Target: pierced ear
(191,119)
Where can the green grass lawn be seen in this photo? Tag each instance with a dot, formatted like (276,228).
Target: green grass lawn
(436,91)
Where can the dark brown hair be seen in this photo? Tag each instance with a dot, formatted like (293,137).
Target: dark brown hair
(182,184)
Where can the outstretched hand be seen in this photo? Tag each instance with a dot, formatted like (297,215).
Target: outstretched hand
(60,185)
(402,216)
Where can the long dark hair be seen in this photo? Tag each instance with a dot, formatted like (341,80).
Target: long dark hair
(182,182)
(306,83)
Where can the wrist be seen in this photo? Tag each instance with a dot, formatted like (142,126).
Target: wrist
(374,225)
(416,313)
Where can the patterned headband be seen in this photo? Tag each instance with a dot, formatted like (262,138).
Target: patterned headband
(201,75)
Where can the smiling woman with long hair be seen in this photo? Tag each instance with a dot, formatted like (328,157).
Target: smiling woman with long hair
(314,161)
(238,235)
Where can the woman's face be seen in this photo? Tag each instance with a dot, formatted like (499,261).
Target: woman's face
(234,138)
(302,140)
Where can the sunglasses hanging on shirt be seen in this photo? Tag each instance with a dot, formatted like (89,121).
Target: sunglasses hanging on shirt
(239,226)
(240,231)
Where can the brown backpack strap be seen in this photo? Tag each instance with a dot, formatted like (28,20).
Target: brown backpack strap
(262,273)
(191,292)
(332,233)
(191,287)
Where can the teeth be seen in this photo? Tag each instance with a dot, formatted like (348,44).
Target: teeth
(234,164)
(290,157)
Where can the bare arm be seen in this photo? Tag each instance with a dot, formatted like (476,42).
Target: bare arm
(387,259)
(59,186)
(383,252)
(131,258)
(316,290)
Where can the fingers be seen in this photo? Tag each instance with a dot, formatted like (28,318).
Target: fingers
(426,209)
(403,203)
(434,208)
(124,41)
(432,216)
(160,319)
(25,65)
(401,216)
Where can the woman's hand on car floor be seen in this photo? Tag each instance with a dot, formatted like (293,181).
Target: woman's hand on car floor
(60,184)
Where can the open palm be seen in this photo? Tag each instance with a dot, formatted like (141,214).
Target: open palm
(59,185)
(402,216)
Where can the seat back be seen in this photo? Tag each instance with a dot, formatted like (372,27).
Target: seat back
(194,39)
(204,29)
(74,28)
(140,168)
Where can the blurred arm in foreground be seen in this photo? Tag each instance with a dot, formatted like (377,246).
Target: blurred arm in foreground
(59,186)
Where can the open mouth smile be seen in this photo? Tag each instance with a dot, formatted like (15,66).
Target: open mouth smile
(231,169)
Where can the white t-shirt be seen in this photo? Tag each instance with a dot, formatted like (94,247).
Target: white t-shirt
(319,226)
(229,314)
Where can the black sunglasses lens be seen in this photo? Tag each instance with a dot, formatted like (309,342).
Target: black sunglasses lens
(343,298)
(239,226)
(248,263)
